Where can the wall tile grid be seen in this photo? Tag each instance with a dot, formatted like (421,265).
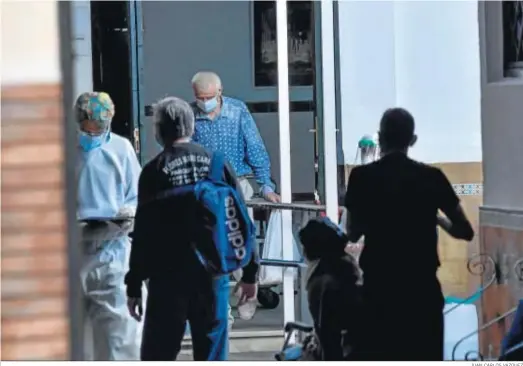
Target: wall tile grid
(468,189)
(454,254)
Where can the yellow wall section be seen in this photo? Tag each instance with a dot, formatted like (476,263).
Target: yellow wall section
(454,254)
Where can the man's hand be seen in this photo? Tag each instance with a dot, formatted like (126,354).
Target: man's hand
(245,291)
(134,304)
(273,197)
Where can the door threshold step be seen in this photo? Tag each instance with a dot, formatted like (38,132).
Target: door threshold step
(246,356)
(241,341)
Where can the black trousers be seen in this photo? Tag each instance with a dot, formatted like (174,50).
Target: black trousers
(405,326)
(172,302)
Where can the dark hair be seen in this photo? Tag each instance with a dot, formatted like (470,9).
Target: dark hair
(321,238)
(396,129)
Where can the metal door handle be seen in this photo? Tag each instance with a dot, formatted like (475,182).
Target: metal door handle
(313,130)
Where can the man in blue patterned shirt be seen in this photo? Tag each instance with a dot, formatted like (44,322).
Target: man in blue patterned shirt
(225,124)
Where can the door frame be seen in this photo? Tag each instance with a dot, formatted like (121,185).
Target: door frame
(319,103)
(135,21)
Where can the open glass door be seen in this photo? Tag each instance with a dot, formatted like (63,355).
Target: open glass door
(318,94)
(135,21)
(117,62)
(317,127)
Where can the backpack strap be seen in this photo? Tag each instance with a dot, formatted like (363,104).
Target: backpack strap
(217,166)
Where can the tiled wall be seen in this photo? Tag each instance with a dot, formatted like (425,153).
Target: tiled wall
(502,239)
(34,260)
(467,180)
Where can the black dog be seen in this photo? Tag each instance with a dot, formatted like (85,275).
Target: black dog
(334,293)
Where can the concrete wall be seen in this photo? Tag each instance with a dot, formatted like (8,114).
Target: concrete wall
(424,56)
(83,52)
(502,117)
(35,319)
(501,217)
(407,56)
(184,37)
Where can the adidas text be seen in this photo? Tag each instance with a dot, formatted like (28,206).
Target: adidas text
(234,234)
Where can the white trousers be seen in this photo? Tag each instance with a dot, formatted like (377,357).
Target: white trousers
(110,332)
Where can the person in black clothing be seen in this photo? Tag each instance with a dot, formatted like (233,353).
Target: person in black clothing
(334,293)
(180,289)
(394,203)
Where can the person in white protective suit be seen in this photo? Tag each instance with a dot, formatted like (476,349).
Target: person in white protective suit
(107,174)
(368,149)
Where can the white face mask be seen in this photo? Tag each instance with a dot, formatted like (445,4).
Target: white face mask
(208,105)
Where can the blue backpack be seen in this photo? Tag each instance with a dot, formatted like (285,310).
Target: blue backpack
(226,239)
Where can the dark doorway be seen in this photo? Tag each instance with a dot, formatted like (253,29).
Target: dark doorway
(111,60)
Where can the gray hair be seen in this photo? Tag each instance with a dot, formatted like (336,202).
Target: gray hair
(204,79)
(174,119)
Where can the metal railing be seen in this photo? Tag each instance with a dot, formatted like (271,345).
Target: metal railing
(105,229)
(302,212)
(517,269)
(102,229)
(266,205)
(479,355)
(478,265)
(508,353)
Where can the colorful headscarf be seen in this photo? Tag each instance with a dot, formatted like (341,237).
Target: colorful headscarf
(95,106)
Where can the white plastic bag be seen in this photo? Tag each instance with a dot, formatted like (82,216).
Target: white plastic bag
(273,249)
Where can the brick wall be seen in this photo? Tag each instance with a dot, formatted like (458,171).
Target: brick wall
(34,257)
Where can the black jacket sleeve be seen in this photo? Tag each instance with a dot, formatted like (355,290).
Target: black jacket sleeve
(250,271)
(137,262)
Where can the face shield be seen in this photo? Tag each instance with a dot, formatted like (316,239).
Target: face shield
(368,150)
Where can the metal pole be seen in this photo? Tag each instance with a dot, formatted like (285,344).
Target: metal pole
(340,156)
(318,102)
(75,297)
(82,40)
(134,11)
(329,109)
(285,156)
